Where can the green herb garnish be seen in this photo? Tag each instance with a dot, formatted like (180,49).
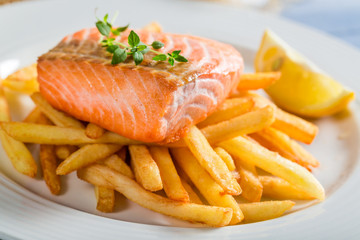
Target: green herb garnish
(135,47)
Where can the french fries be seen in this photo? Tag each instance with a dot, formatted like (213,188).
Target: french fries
(209,160)
(105,199)
(103,176)
(170,178)
(231,108)
(278,141)
(23,80)
(116,163)
(153,27)
(253,81)
(19,155)
(278,188)
(44,134)
(94,131)
(260,211)
(225,156)
(85,156)
(64,151)
(244,124)
(220,159)
(210,189)
(147,173)
(57,117)
(49,164)
(275,164)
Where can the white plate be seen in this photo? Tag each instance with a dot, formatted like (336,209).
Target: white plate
(28,211)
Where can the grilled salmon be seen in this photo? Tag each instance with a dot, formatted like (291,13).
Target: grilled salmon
(150,102)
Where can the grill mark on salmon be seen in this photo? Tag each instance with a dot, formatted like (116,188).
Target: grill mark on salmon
(151,102)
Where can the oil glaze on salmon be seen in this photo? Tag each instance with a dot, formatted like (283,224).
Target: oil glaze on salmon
(151,102)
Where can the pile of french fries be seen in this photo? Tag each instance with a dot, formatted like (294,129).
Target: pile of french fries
(217,174)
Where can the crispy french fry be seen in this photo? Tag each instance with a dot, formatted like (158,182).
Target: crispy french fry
(85,156)
(170,178)
(253,81)
(33,116)
(153,27)
(48,165)
(210,161)
(275,164)
(44,134)
(64,151)
(231,108)
(193,197)
(250,184)
(94,131)
(104,176)
(57,117)
(147,173)
(19,155)
(261,211)
(207,186)
(116,163)
(23,80)
(226,157)
(244,124)
(278,188)
(278,141)
(295,127)
(105,199)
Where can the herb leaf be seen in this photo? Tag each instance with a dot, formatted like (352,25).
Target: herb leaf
(103,28)
(160,57)
(181,59)
(133,39)
(157,44)
(119,56)
(119,30)
(112,48)
(138,57)
(171,61)
(175,53)
(141,48)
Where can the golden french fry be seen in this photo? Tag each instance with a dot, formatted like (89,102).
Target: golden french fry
(153,27)
(193,197)
(48,165)
(278,188)
(244,124)
(104,176)
(94,131)
(253,81)
(207,186)
(105,199)
(19,155)
(295,127)
(57,117)
(231,108)
(23,80)
(225,156)
(250,184)
(85,156)
(4,107)
(44,134)
(147,173)
(33,116)
(64,151)
(170,178)
(116,163)
(261,211)
(275,164)
(210,161)
(278,141)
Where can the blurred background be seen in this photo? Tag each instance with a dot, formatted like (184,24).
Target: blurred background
(337,18)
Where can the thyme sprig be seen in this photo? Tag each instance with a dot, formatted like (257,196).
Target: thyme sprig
(135,47)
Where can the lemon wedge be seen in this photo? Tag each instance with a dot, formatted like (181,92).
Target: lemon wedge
(303,88)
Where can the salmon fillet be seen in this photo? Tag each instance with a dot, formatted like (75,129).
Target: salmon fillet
(151,102)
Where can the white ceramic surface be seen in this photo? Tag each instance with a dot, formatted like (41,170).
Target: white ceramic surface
(28,211)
